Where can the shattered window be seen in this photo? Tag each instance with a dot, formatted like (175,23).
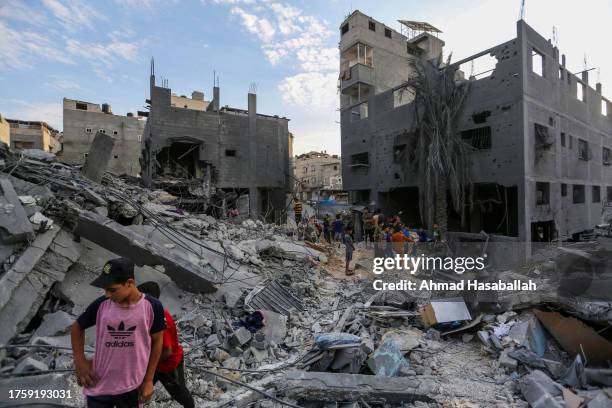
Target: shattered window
(81,106)
(609,194)
(479,138)
(387,33)
(578,194)
(542,193)
(537,62)
(372,26)
(563,190)
(604,107)
(542,136)
(562,139)
(595,194)
(398,153)
(583,149)
(605,156)
(344,29)
(360,159)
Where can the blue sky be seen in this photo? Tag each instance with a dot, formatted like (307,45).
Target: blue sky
(99,51)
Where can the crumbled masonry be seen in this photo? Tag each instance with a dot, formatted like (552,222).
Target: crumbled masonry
(267,320)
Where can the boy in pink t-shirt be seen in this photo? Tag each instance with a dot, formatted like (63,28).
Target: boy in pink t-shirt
(129,337)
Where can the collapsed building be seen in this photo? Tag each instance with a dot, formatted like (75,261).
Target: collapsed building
(268,321)
(83,120)
(540,135)
(203,151)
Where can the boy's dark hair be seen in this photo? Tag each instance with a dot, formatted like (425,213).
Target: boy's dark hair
(397,228)
(150,288)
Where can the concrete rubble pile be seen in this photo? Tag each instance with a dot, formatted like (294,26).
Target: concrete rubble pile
(265,320)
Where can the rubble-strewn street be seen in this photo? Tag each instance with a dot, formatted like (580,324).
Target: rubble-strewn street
(266,320)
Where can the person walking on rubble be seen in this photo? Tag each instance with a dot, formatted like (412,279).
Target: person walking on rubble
(297,209)
(129,339)
(349,249)
(170,370)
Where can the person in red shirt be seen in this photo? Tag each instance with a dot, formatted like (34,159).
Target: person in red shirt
(170,369)
(398,238)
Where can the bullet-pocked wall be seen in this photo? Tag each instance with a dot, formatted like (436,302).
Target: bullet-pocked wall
(236,148)
(532,131)
(82,120)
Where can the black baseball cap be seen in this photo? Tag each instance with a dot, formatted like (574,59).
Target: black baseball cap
(115,270)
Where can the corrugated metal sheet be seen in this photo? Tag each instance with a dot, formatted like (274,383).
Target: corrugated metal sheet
(271,295)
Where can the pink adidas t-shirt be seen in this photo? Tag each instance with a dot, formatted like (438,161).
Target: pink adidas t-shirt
(123,342)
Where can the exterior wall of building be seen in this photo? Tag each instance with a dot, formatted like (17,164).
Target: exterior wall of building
(241,148)
(5,131)
(510,101)
(33,135)
(316,172)
(81,126)
(189,103)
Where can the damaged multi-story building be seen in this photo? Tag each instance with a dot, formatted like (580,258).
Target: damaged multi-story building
(82,120)
(203,151)
(540,135)
(29,134)
(318,176)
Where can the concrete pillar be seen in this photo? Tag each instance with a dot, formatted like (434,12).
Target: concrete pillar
(563,60)
(216,99)
(252,143)
(585,77)
(98,157)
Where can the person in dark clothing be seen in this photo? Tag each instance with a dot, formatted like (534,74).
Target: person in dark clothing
(349,249)
(327,228)
(170,369)
(338,228)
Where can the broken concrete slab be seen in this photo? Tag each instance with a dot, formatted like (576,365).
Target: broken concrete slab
(14,224)
(541,391)
(123,241)
(275,327)
(54,324)
(100,153)
(600,401)
(19,290)
(323,386)
(29,364)
(240,337)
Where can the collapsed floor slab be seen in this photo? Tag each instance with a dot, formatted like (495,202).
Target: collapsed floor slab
(142,251)
(324,386)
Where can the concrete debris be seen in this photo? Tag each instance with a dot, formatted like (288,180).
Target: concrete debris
(14,224)
(54,324)
(29,364)
(99,155)
(256,305)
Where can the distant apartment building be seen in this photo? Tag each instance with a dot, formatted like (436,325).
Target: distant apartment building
(202,151)
(318,176)
(26,134)
(5,131)
(82,120)
(540,135)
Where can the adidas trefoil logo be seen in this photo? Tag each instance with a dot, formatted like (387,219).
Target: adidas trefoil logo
(120,332)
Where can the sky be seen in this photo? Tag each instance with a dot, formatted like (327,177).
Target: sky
(100,51)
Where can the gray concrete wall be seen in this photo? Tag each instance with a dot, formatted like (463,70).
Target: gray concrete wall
(516,99)
(80,127)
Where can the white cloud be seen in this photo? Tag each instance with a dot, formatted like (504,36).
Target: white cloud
(19,48)
(118,35)
(254,24)
(314,91)
(64,85)
(73,14)
(18,10)
(103,54)
(50,112)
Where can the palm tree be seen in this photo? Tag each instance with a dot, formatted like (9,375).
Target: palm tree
(440,157)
